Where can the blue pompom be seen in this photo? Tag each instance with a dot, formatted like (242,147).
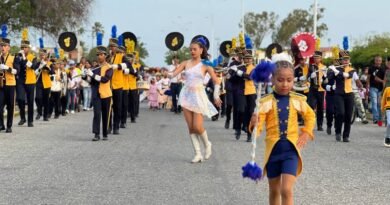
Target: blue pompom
(56,53)
(99,38)
(4,29)
(41,43)
(252,171)
(120,40)
(248,42)
(345,43)
(207,62)
(202,40)
(113,31)
(263,71)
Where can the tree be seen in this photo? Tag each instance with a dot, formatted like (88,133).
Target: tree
(257,26)
(298,20)
(183,54)
(363,55)
(46,16)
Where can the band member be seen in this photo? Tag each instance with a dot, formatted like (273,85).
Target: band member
(175,85)
(119,65)
(64,88)
(101,93)
(301,84)
(9,67)
(133,91)
(43,71)
(344,98)
(125,92)
(26,82)
(317,93)
(236,71)
(249,92)
(330,86)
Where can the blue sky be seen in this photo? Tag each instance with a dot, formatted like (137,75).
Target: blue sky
(152,20)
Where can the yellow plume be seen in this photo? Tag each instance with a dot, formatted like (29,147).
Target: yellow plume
(335,52)
(62,54)
(130,46)
(241,39)
(234,43)
(25,34)
(318,44)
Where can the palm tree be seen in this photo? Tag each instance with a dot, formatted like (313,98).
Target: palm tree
(97,27)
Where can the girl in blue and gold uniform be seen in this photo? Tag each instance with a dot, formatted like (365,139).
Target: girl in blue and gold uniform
(284,140)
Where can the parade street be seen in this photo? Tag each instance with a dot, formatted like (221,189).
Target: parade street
(149,163)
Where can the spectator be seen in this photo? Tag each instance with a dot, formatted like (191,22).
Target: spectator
(375,82)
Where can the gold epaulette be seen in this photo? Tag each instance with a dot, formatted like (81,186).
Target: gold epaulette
(266,97)
(298,96)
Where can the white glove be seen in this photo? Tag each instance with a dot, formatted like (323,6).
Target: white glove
(114,66)
(98,78)
(234,68)
(334,87)
(126,71)
(23,55)
(313,75)
(216,91)
(3,67)
(346,75)
(240,73)
(89,72)
(43,64)
(37,71)
(29,64)
(302,78)
(334,69)
(208,89)
(324,73)
(328,88)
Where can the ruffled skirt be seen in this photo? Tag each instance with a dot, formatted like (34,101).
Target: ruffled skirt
(194,98)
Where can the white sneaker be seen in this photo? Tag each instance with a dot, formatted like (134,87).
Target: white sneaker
(72,112)
(387,142)
(66,111)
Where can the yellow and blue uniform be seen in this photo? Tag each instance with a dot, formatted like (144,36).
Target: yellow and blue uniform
(280,116)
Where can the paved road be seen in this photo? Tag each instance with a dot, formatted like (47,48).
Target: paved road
(57,163)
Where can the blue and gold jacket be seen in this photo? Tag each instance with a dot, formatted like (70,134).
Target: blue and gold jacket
(268,114)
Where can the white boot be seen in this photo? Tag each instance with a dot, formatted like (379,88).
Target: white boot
(198,155)
(207,145)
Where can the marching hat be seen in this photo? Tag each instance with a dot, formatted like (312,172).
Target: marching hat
(272,49)
(4,39)
(101,50)
(317,54)
(343,54)
(248,54)
(203,40)
(113,42)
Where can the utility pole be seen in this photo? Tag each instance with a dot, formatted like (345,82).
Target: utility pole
(315,18)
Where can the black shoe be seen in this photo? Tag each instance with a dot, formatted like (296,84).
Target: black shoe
(2,128)
(338,137)
(116,132)
(45,119)
(9,130)
(320,129)
(56,116)
(214,118)
(123,125)
(249,138)
(238,134)
(365,121)
(345,139)
(38,117)
(132,120)
(227,123)
(21,122)
(387,142)
(30,124)
(96,138)
(329,130)
(105,138)
(375,122)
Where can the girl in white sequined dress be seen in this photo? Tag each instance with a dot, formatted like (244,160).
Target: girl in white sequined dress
(193,98)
